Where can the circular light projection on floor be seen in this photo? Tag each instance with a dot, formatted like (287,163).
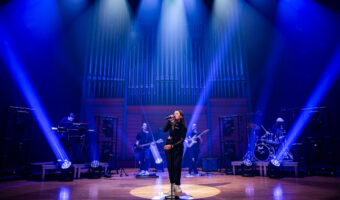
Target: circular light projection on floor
(189,191)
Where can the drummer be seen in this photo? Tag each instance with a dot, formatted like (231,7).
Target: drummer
(278,129)
(277,132)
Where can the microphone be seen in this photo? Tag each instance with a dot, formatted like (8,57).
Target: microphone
(169,117)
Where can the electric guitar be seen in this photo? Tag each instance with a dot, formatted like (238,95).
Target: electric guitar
(191,141)
(138,148)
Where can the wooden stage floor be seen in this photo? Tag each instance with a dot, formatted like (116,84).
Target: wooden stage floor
(215,187)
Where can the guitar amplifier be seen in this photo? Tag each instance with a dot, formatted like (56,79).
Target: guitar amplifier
(209,164)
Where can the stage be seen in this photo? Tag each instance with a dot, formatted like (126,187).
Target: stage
(246,89)
(208,186)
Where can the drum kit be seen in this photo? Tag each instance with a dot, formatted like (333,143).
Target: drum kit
(268,144)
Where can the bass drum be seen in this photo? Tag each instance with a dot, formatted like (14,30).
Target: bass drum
(264,152)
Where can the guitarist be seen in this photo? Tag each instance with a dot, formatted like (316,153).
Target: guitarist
(144,137)
(193,148)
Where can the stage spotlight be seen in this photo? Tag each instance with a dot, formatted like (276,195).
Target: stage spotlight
(65,164)
(95,164)
(275,169)
(275,162)
(247,162)
(95,170)
(248,168)
(67,171)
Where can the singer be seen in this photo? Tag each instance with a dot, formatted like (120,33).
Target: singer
(174,149)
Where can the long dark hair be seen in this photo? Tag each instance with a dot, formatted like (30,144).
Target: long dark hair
(182,121)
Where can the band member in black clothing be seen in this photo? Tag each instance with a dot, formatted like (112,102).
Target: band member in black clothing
(74,146)
(174,149)
(67,122)
(144,137)
(278,129)
(193,148)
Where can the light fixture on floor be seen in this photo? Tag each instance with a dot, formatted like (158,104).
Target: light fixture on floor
(67,171)
(248,168)
(95,170)
(95,164)
(65,164)
(275,169)
(275,162)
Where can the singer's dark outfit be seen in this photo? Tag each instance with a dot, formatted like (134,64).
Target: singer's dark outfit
(177,136)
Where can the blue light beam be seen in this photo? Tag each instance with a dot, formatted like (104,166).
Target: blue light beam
(324,85)
(221,52)
(229,31)
(16,69)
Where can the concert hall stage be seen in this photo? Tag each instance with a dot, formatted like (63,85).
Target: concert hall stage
(245,89)
(208,186)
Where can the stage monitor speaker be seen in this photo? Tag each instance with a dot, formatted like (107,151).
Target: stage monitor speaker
(228,126)
(108,125)
(18,125)
(15,141)
(107,152)
(230,150)
(318,126)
